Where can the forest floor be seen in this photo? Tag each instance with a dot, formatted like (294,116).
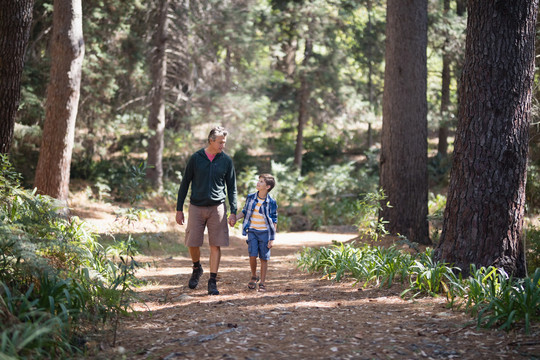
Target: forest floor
(301,315)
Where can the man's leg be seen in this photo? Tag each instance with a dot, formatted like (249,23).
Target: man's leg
(215,257)
(194,240)
(195,253)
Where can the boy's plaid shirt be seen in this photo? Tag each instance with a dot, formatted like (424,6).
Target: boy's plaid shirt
(268,210)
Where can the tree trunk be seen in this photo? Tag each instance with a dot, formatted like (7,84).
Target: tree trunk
(371,87)
(403,164)
(156,120)
(442,146)
(67,53)
(483,218)
(303,97)
(15,21)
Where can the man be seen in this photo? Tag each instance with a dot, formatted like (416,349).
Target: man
(210,171)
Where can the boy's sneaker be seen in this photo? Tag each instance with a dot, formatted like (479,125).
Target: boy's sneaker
(195,276)
(212,287)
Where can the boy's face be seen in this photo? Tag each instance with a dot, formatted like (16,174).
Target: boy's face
(261,185)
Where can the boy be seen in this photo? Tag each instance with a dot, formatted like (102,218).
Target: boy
(260,224)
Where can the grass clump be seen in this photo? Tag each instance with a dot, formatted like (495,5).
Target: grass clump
(488,294)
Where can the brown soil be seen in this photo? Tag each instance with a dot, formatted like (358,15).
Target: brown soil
(301,315)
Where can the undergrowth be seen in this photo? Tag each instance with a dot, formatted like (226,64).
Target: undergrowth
(489,294)
(55,277)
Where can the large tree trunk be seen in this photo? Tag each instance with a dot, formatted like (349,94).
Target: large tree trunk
(67,53)
(303,98)
(486,197)
(156,120)
(403,161)
(15,21)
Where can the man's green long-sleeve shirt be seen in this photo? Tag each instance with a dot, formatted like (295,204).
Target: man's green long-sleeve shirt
(211,181)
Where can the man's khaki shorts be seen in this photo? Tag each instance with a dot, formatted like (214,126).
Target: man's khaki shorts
(212,217)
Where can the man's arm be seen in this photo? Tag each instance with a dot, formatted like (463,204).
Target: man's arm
(184,185)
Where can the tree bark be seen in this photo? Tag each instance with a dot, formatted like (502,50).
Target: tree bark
(67,53)
(156,120)
(483,218)
(15,21)
(403,164)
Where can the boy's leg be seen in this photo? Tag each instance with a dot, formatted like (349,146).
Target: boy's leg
(264,267)
(253,266)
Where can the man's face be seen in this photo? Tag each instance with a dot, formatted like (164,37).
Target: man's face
(217,146)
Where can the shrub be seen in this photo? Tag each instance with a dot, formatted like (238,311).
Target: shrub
(54,275)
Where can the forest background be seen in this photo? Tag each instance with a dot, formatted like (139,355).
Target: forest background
(245,65)
(241,64)
(298,84)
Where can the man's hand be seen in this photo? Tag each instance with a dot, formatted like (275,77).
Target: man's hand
(270,244)
(180,218)
(232,220)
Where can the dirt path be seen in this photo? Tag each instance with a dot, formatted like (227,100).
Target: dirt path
(300,316)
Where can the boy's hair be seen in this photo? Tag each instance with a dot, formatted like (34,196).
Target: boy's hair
(215,132)
(268,180)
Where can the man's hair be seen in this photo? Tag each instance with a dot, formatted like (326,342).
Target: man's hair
(215,132)
(268,180)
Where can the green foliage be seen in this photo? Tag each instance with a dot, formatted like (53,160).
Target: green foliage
(532,248)
(54,275)
(428,277)
(488,293)
(369,223)
(122,179)
(378,265)
(436,206)
(439,170)
(532,190)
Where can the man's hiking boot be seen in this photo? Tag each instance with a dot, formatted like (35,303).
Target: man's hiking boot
(212,287)
(195,276)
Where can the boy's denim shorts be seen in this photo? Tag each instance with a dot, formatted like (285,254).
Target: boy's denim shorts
(258,244)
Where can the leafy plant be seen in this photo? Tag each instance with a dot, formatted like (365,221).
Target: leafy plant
(510,301)
(429,277)
(369,223)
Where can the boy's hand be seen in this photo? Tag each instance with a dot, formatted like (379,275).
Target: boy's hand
(270,244)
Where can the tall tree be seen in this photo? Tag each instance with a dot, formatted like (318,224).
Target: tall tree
(403,163)
(15,21)
(442,146)
(303,98)
(67,53)
(484,212)
(156,120)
